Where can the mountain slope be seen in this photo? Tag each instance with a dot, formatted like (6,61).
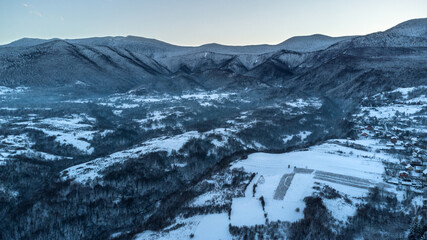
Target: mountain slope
(341,66)
(378,61)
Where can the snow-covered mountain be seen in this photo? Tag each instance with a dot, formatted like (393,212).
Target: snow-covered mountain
(298,44)
(312,43)
(413,28)
(123,63)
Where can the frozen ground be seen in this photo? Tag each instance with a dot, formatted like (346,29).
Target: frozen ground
(206,227)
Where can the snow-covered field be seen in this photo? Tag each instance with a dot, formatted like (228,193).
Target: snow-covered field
(202,227)
(320,159)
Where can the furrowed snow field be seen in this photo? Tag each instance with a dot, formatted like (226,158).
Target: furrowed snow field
(323,159)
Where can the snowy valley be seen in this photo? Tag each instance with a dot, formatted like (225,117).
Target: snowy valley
(341,172)
(133,138)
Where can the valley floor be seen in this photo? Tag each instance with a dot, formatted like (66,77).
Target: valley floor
(121,155)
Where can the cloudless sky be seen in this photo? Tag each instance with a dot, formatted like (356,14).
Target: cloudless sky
(196,22)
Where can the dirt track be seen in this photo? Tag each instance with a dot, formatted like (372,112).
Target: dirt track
(283,186)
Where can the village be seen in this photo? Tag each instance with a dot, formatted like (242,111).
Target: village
(412,170)
(397,122)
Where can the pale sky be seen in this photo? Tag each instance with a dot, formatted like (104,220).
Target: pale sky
(196,22)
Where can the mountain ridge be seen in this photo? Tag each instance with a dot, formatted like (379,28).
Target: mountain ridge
(107,40)
(123,63)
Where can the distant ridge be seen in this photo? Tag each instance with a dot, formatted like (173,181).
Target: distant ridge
(345,66)
(298,44)
(311,43)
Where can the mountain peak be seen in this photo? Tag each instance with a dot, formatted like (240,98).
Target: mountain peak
(413,28)
(311,43)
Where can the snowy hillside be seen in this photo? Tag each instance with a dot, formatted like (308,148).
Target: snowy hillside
(413,28)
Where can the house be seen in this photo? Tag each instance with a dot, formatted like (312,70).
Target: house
(416,162)
(419,169)
(364,134)
(393,140)
(409,168)
(403,174)
(369,128)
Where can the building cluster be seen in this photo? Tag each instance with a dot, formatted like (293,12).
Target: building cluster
(401,134)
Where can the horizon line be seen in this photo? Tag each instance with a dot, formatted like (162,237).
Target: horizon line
(204,44)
